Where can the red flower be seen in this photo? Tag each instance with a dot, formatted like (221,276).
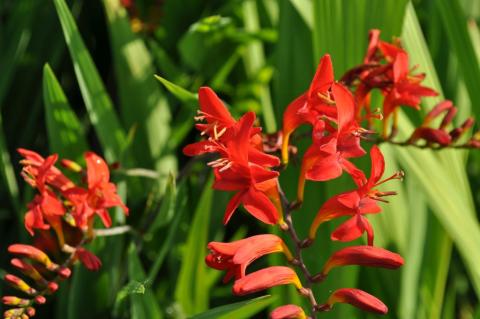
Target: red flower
(312,106)
(266,278)
(406,88)
(328,156)
(235,257)
(37,171)
(357,298)
(288,312)
(252,182)
(100,196)
(356,204)
(363,256)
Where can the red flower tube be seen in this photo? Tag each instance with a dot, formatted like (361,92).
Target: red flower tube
(363,256)
(357,298)
(266,278)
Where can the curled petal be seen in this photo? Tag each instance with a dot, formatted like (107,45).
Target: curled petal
(288,312)
(359,299)
(266,278)
(363,256)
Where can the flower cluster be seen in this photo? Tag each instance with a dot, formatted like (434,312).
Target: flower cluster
(386,68)
(243,167)
(60,218)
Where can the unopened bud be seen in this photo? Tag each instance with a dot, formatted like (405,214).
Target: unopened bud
(15,301)
(19,284)
(40,300)
(34,254)
(71,165)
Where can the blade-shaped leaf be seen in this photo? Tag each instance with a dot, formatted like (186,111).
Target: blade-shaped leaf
(238,310)
(65,133)
(190,291)
(142,103)
(97,101)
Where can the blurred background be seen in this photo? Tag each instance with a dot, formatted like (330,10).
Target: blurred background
(79,75)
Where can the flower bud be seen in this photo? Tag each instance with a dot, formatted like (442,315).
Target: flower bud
(266,278)
(15,301)
(34,254)
(357,298)
(363,256)
(71,165)
(28,270)
(288,312)
(19,284)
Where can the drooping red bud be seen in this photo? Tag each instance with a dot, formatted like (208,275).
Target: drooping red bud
(89,260)
(363,256)
(266,278)
(357,298)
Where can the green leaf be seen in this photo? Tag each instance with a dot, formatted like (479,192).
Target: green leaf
(142,103)
(190,291)
(65,133)
(238,310)
(458,36)
(442,176)
(175,204)
(98,103)
(255,60)
(142,305)
(8,174)
(188,98)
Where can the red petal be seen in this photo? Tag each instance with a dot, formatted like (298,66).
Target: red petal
(258,204)
(262,159)
(345,106)
(349,230)
(214,108)
(378,165)
(323,77)
(325,169)
(373,37)
(291,118)
(97,170)
(232,206)
(400,66)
